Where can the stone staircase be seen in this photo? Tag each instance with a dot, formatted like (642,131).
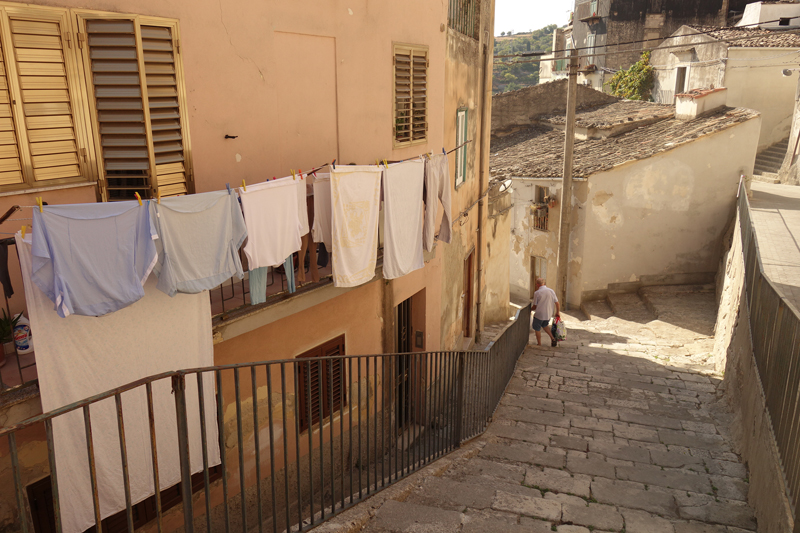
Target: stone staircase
(769,161)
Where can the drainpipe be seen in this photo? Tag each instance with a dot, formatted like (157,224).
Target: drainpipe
(486,121)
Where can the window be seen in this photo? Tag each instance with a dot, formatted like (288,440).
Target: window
(315,378)
(680,80)
(410,94)
(461,153)
(590,40)
(464,17)
(138,112)
(593,8)
(130,134)
(540,210)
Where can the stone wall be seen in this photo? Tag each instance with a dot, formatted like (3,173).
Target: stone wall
(520,108)
(752,431)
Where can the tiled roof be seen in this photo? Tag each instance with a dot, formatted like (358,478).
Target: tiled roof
(614,114)
(537,152)
(753,37)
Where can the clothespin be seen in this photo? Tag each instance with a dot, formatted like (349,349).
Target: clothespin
(244,186)
(39,203)
(23,230)
(445,153)
(385,164)
(228,186)
(300,173)
(333,164)
(136,194)
(377,163)
(158,194)
(293,176)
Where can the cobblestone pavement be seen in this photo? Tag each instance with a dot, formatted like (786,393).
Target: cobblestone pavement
(621,428)
(776,218)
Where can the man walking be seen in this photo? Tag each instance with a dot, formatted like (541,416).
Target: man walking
(544,303)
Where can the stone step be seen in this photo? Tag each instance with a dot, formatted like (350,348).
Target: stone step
(760,169)
(598,309)
(767,177)
(769,158)
(629,306)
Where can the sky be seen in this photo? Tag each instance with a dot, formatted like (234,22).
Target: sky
(525,15)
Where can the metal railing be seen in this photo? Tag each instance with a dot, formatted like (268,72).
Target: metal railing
(540,219)
(775,329)
(367,421)
(464,17)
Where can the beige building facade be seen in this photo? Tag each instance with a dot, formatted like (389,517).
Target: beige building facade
(218,93)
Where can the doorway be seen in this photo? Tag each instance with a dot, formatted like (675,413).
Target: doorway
(680,80)
(538,270)
(403,367)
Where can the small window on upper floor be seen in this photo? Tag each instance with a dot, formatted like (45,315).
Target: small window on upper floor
(461,152)
(464,16)
(410,94)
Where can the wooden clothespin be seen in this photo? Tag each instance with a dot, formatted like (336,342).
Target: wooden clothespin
(385,164)
(244,186)
(40,203)
(24,227)
(158,194)
(136,194)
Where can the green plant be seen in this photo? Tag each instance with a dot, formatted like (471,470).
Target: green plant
(636,83)
(7,324)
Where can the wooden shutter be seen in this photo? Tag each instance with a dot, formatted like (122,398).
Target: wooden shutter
(158,45)
(47,94)
(140,120)
(10,164)
(315,392)
(410,94)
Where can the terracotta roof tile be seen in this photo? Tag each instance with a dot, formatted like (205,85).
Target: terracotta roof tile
(614,114)
(537,152)
(753,37)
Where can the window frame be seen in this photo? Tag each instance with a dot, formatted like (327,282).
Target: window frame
(411,48)
(81,17)
(462,129)
(302,396)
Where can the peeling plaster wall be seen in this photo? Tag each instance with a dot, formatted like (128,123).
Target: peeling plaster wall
(705,64)
(664,215)
(498,233)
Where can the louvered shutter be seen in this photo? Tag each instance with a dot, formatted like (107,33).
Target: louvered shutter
(309,382)
(165,113)
(49,114)
(410,94)
(332,389)
(335,370)
(139,117)
(10,164)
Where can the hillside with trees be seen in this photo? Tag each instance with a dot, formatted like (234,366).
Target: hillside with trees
(513,77)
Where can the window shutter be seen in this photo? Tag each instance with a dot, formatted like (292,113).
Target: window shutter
(137,87)
(49,113)
(410,94)
(114,71)
(336,370)
(158,45)
(10,165)
(312,389)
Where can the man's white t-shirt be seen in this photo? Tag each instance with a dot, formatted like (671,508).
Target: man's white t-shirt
(545,301)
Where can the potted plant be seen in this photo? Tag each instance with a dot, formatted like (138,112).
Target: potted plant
(7,324)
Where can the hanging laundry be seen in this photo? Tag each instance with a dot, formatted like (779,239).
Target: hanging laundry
(355,197)
(402,218)
(92,259)
(437,185)
(308,245)
(258,285)
(323,220)
(273,225)
(5,278)
(84,356)
(198,239)
(288,267)
(300,182)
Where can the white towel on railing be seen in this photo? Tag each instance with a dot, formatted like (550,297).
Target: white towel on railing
(80,356)
(355,195)
(402,219)
(273,222)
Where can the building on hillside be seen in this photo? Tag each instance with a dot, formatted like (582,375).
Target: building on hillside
(654,190)
(748,62)
(99,105)
(599,26)
(770,14)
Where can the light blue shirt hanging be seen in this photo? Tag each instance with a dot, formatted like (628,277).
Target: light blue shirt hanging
(198,238)
(92,259)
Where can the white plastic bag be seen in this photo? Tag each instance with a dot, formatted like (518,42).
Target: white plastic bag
(559,329)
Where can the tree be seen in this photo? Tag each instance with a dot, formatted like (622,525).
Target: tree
(636,83)
(502,34)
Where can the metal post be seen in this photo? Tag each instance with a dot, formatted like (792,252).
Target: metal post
(459,401)
(566,193)
(179,390)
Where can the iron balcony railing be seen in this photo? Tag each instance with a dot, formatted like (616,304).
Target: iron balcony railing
(338,429)
(775,330)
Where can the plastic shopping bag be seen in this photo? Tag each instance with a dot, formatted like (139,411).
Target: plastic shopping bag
(559,329)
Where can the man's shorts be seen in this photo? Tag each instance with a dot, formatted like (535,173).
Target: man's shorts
(539,324)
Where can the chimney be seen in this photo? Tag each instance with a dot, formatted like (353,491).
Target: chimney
(697,102)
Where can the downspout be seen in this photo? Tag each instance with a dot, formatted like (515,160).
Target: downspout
(486,122)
